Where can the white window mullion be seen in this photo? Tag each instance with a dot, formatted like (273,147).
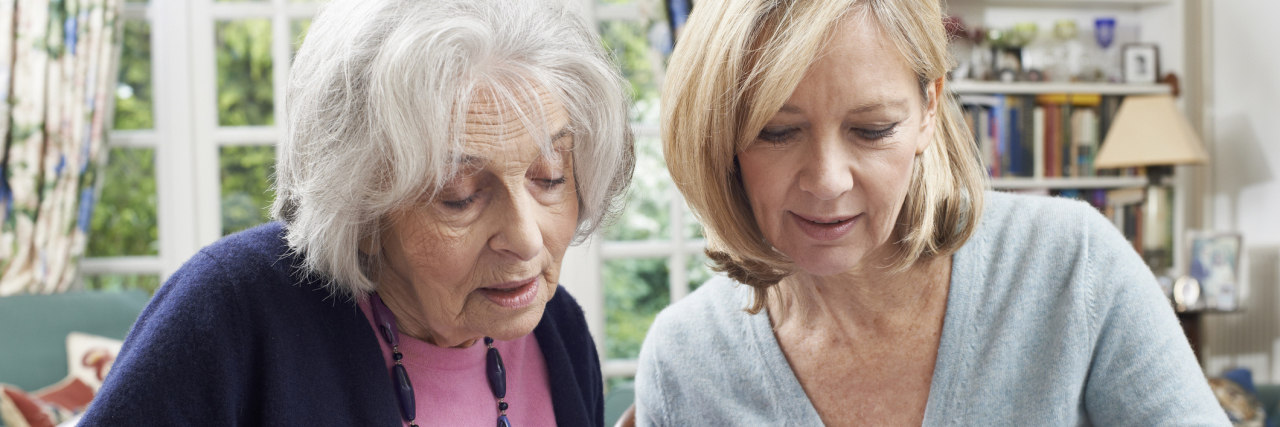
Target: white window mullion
(677,265)
(233,11)
(301,10)
(250,135)
(122,265)
(581,274)
(132,138)
(281,52)
(171,70)
(204,105)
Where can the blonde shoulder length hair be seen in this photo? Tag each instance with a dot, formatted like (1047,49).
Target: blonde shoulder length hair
(737,63)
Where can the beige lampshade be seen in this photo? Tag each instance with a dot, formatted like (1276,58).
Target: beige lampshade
(1149,131)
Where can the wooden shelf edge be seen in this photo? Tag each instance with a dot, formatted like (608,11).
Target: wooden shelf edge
(1068,183)
(967,87)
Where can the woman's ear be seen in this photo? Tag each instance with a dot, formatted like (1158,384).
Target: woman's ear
(929,123)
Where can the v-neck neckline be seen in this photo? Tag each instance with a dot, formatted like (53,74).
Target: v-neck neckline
(951,346)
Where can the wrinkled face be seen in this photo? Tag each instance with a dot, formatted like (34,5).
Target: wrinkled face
(828,174)
(483,257)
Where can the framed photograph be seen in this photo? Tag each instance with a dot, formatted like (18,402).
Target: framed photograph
(1215,264)
(1140,63)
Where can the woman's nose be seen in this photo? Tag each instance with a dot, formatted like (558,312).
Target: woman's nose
(519,234)
(826,173)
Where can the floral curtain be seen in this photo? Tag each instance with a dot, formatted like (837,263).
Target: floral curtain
(58,62)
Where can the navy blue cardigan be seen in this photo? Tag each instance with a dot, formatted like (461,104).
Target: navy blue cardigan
(238,337)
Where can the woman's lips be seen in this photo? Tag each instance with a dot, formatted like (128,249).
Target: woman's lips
(513,294)
(825,229)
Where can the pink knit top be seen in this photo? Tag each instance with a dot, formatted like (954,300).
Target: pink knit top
(450,388)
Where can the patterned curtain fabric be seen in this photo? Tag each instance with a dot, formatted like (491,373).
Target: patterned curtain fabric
(58,62)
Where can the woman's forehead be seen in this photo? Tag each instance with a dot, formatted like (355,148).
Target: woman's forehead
(513,113)
(859,71)
(498,131)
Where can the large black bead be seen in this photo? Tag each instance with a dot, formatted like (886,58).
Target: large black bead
(503,421)
(404,392)
(502,406)
(497,374)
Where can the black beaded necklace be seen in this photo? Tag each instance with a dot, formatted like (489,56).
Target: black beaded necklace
(386,321)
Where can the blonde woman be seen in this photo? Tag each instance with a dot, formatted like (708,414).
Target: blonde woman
(870,279)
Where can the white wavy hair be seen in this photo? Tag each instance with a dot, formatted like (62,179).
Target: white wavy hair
(376,104)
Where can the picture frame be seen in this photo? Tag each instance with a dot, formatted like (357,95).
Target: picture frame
(1215,264)
(1140,63)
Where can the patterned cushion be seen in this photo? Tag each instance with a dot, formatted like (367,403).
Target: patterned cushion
(17,408)
(89,357)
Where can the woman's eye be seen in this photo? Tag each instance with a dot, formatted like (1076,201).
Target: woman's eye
(778,135)
(876,134)
(548,184)
(461,203)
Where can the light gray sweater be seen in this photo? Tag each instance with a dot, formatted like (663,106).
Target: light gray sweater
(1051,319)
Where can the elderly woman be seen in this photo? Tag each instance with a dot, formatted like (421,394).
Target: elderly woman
(842,196)
(440,158)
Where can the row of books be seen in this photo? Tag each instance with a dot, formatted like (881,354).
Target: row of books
(1039,136)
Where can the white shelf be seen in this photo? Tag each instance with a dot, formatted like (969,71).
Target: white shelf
(1034,88)
(1106,4)
(1101,182)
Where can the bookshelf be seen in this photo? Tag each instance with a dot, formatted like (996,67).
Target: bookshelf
(971,88)
(1178,29)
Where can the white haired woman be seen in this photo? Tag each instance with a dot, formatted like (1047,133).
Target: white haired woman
(440,158)
(842,196)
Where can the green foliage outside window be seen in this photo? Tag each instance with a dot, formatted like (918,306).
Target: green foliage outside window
(245,98)
(246,186)
(133,92)
(124,220)
(629,42)
(635,291)
(121,282)
(244,73)
(648,213)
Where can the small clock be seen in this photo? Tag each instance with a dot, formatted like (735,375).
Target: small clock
(1186,292)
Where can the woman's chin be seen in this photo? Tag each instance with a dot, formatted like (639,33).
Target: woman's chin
(824,262)
(507,323)
(518,326)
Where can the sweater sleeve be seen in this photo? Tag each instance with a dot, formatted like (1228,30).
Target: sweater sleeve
(1143,370)
(185,361)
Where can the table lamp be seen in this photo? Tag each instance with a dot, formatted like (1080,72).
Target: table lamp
(1148,131)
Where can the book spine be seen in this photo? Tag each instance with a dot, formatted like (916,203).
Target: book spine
(1013,162)
(1000,136)
(1038,134)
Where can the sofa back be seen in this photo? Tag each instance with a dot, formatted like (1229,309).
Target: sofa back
(34,328)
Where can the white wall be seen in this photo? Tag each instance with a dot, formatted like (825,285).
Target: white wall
(1245,194)
(1247,119)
